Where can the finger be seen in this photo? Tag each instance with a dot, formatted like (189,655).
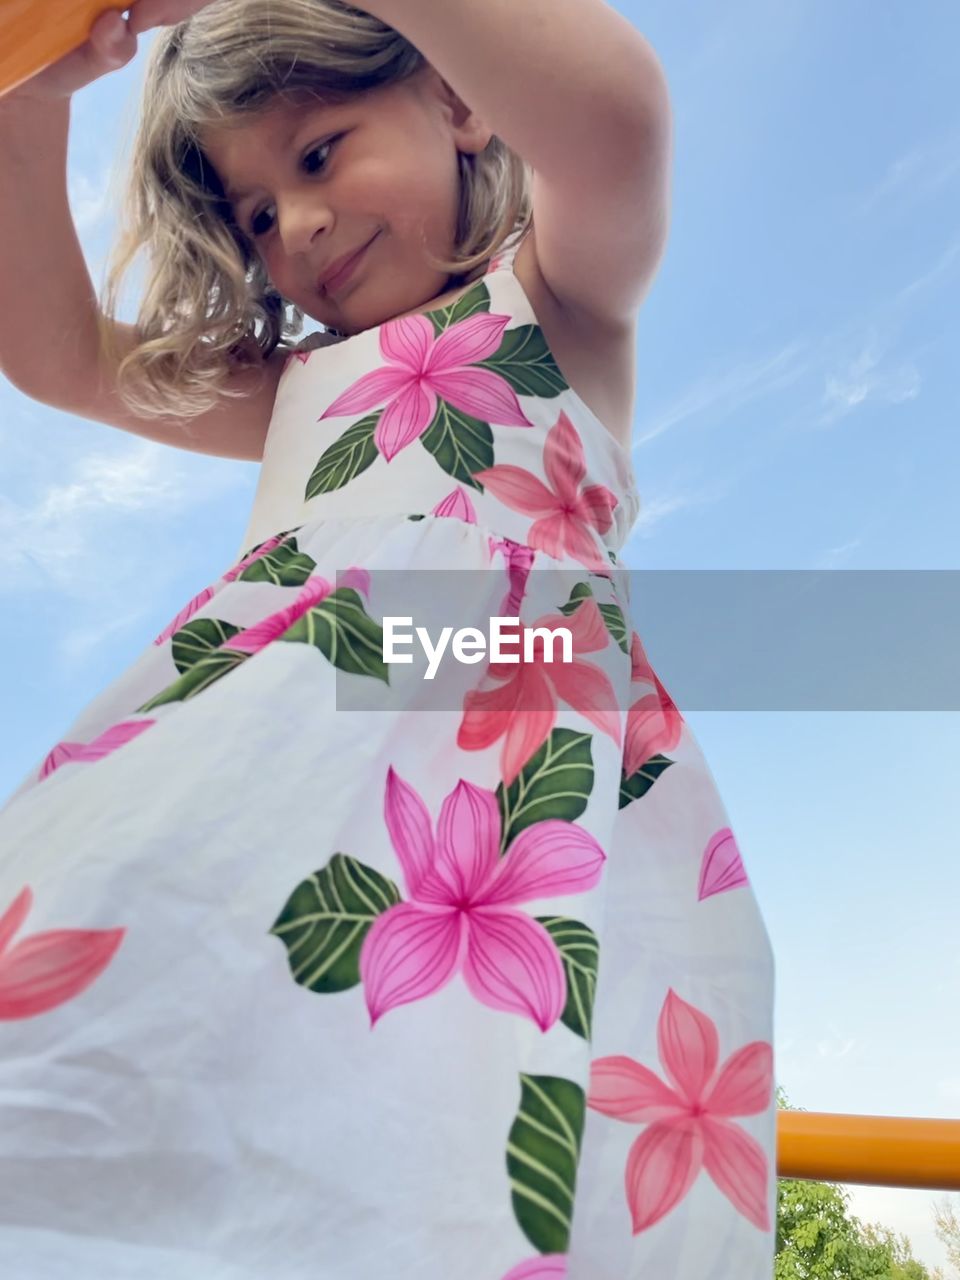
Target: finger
(110,41)
(145,14)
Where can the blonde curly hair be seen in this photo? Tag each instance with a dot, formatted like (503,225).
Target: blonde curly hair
(208,305)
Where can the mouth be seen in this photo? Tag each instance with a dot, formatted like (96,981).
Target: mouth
(331,283)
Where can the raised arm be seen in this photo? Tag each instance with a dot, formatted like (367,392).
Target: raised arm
(580,94)
(49,338)
(50,347)
(47,322)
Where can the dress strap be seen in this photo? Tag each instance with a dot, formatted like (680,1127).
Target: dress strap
(503,259)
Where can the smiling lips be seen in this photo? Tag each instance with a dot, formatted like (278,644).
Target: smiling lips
(342,269)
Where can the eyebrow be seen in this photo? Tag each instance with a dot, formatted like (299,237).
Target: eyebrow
(236,194)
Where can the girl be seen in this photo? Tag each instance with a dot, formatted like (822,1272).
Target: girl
(311,967)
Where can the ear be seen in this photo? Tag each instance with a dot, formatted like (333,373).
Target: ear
(470,133)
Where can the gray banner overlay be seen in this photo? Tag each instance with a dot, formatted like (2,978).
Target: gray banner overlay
(719,640)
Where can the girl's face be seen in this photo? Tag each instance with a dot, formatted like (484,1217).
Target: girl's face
(310,183)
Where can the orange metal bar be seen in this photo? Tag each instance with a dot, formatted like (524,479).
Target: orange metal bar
(888,1151)
(34,33)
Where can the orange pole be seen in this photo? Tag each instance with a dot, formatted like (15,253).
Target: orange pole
(888,1151)
(34,33)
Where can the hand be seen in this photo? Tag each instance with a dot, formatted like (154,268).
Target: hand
(112,43)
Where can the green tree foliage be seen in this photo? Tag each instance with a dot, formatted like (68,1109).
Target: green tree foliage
(947,1228)
(817,1239)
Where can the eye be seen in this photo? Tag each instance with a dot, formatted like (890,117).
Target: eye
(257,217)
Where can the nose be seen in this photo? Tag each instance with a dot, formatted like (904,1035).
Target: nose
(301,218)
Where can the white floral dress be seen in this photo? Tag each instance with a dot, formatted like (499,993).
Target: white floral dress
(313,970)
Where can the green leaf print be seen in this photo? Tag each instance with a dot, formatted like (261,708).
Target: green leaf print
(580,953)
(460,443)
(472,303)
(326,919)
(524,360)
(581,591)
(284,566)
(343,631)
(338,626)
(616,624)
(554,783)
(612,614)
(351,453)
(203,673)
(197,639)
(543,1151)
(639,784)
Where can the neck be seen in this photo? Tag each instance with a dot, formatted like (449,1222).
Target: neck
(453,283)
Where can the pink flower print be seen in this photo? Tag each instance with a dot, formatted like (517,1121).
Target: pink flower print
(424,368)
(688,1120)
(567,513)
(47,969)
(654,723)
(457,505)
(117,735)
(519,560)
(260,552)
(722,867)
(549,1266)
(462,914)
(316,589)
(185,614)
(199,600)
(523,710)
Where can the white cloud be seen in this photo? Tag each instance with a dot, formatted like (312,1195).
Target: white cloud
(657,509)
(864,380)
(53,539)
(834,556)
(46,543)
(89,199)
(932,277)
(730,391)
(913,177)
(131,480)
(859,380)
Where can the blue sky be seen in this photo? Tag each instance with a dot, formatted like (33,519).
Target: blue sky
(796,409)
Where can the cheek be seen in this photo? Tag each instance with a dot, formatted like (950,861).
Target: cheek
(274,265)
